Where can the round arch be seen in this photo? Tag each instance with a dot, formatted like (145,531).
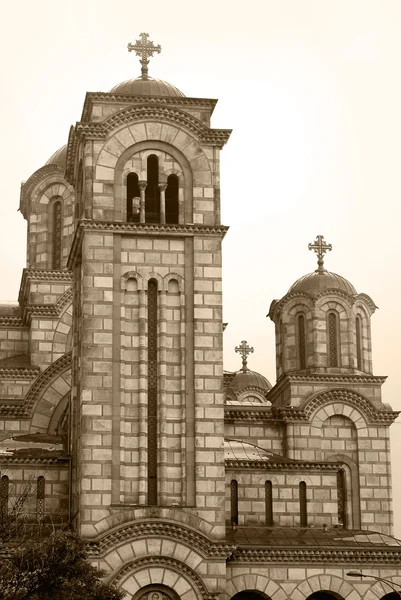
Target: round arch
(155,592)
(250,595)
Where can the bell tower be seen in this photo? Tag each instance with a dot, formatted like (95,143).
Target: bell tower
(146,257)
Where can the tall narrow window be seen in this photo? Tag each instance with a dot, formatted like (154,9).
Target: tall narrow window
(57,233)
(40,499)
(269,503)
(234,502)
(152,392)
(303,505)
(4,489)
(132,192)
(152,194)
(172,199)
(359,343)
(301,342)
(333,343)
(341,498)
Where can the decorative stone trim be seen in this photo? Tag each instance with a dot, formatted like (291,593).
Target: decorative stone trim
(34,460)
(140,229)
(29,275)
(160,100)
(160,529)
(19,372)
(372,414)
(12,322)
(172,563)
(277,306)
(329,378)
(316,555)
(205,135)
(23,409)
(294,465)
(35,178)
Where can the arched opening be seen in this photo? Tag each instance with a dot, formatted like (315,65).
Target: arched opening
(269,503)
(324,595)
(152,392)
(250,595)
(301,342)
(132,192)
(341,499)
(172,199)
(333,345)
(152,193)
(57,235)
(155,592)
(358,327)
(303,511)
(234,502)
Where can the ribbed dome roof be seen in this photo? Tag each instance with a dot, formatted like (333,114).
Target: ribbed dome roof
(59,158)
(246,379)
(321,280)
(146,87)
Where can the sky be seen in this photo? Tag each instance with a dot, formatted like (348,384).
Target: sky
(311,89)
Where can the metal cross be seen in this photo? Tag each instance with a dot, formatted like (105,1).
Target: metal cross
(144,48)
(320,247)
(244,350)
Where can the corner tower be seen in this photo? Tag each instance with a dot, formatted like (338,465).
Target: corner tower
(146,258)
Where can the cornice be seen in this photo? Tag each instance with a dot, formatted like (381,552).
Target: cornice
(340,378)
(315,555)
(23,408)
(9,322)
(293,465)
(108,97)
(158,529)
(39,275)
(147,229)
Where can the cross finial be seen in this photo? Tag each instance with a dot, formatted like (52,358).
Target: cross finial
(144,48)
(320,247)
(244,350)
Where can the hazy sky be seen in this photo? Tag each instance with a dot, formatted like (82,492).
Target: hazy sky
(312,91)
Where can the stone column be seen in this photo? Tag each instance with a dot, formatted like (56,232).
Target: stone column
(162,188)
(142,188)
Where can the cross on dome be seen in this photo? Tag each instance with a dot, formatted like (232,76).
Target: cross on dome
(244,350)
(144,48)
(320,247)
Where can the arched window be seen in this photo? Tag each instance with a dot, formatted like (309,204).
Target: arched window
(302,505)
(172,199)
(358,327)
(332,323)
(4,490)
(40,499)
(301,342)
(57,234)
(152,392)
(234,502)
(152,193)
(132,192)
(341,498)
(269,503)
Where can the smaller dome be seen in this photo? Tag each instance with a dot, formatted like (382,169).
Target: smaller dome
(247,379)
(59,158)
(321,280)
(146,87)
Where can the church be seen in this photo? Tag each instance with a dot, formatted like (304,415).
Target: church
(187,481)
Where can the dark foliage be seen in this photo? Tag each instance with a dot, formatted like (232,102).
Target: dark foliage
(56,567)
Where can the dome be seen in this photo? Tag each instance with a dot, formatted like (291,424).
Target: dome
(247,379)
(146,87)
(321,280)
(59,158)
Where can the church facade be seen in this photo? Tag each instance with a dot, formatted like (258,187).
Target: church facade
(188,482)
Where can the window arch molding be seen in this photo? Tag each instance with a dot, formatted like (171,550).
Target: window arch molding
(153,147)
